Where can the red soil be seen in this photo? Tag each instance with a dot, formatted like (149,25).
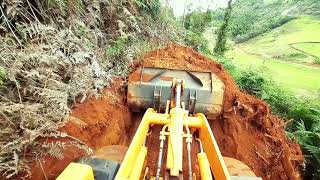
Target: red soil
(98,122)
(246,130)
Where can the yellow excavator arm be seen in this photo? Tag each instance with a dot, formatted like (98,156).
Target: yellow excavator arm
(211,162)
(180,128)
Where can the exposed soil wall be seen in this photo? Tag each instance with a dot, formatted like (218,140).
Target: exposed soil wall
(246,130)
(98,122)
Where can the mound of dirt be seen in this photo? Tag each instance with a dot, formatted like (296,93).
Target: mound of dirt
(246,130)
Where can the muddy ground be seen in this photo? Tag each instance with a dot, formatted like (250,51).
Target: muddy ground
(246,130)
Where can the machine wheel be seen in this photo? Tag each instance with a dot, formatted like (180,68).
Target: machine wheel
(114,153)
(106,161)
(237,168)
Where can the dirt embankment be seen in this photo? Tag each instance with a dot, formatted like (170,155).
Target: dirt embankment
(98,122)
(246,130)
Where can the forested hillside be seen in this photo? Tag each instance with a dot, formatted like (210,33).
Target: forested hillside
(254,17)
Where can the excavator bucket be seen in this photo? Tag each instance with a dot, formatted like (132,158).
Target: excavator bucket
(203,92)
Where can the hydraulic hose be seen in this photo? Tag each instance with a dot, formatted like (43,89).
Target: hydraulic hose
(189,160)
(160,160)
(189,141)
(162,139)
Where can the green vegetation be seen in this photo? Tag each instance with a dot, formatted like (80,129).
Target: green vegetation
(253,81)
(117,47)
(301,79)
(255,17)
(197,21)
(281,42)
(195,24)
(149,8)
(306,129)
(252,18)
(273,51)
(196,41)
(306,7)
(305,112)
(221,44)
(309,48)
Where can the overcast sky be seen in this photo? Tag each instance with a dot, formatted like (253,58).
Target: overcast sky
(178,5)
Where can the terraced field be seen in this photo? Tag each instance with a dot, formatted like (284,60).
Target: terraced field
(290,53)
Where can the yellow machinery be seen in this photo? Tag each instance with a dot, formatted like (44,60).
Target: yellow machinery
(179,126)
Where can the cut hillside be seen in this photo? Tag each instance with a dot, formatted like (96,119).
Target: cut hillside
(54,54)
(246,130)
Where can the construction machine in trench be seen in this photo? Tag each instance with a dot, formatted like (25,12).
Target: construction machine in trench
(177,101)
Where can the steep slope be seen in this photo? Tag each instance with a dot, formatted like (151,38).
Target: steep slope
(55,54)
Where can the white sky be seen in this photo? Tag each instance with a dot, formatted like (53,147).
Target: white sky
(178,5)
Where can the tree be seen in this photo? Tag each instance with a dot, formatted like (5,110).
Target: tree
(221,48)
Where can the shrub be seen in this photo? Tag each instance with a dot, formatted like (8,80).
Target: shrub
(297,55)
(306,130)
(250,80)
(146,7)
(280,100)
(227,64)
(197,21)
(223,32)
(116,48)
(253,81)
(317,60)
(197,42)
